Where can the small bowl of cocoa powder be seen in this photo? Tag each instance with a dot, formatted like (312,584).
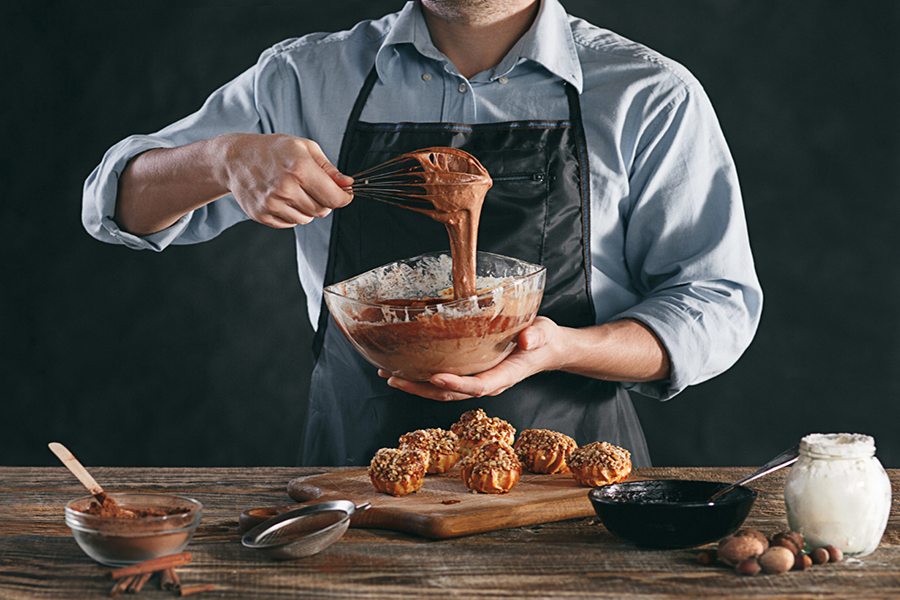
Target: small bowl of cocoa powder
(144,526)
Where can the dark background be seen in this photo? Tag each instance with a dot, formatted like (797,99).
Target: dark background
(199,355)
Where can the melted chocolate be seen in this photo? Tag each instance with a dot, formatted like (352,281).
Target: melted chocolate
(455,183)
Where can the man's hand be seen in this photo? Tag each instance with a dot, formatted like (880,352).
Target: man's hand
(625,350)
(281,180)
(278,180)
(530,356)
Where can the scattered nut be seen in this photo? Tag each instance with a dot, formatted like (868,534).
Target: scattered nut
(777,559)
(820,556)
(755,534)
(835,554)
(750,552)
(802,562)
(732,550)
(748,567)
(791,540)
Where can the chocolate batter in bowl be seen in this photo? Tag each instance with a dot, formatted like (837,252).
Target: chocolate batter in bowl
(403,318)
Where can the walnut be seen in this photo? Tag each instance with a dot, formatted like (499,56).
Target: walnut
(735,549)
(756,534)
(791,540)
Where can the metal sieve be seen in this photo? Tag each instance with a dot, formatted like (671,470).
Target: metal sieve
(303,531)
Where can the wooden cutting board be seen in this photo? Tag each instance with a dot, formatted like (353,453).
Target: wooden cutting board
(444,508)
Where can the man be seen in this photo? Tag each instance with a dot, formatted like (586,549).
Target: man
(609,169)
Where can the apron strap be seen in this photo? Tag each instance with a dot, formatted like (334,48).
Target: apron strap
(358,106)
(352,120)
(585,180)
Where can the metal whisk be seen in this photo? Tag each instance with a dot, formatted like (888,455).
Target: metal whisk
(419,180)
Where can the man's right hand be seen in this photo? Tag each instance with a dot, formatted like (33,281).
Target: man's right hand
(281,180)
(278,180)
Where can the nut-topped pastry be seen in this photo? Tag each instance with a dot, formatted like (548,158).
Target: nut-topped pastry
(439,444)
(544,451)
(600,463)
(491,468)
(475,428)
(466,418)
(398,471)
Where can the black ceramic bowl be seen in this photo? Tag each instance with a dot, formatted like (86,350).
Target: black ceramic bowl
(671,513)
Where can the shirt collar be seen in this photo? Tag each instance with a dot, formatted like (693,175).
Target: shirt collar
(549,42)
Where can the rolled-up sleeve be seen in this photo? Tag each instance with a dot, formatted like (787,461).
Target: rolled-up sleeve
(233,107)
(687,246)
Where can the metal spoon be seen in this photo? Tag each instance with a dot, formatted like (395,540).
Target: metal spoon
(788,457)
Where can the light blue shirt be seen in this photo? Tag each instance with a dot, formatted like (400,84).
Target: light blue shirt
(669,243)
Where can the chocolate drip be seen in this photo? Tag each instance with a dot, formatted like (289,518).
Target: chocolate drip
(453,183)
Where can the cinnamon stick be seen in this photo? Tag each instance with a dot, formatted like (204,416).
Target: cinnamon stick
(196,589)
(168,579)
(152,565)
(121,585)
(138,582)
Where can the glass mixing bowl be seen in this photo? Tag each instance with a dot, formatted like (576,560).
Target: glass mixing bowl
(402,318)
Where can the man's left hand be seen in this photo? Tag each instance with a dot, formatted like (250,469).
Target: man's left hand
(530,356)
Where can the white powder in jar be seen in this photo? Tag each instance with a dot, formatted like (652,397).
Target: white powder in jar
(838,493)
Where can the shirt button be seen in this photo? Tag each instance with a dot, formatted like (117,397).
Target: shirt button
(462,88)
(426,76)
(503,79)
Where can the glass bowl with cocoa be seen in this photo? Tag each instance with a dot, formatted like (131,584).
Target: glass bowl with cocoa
(145,526)
(403,317)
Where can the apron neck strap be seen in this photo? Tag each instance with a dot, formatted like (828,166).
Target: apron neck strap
(353,119)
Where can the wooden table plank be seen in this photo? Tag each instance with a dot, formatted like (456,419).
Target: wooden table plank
(577,558)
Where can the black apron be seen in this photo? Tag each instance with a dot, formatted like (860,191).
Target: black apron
(537,210)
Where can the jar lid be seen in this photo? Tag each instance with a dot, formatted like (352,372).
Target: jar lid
(837,445)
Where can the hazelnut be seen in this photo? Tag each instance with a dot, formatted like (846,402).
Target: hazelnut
(835,554)
(777,559)
(748,567)
(708,557)
(802,562)
(791,540)
(820,556)
(755,534)
(732,550)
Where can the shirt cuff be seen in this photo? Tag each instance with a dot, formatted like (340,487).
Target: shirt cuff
(101,190)
(668,323)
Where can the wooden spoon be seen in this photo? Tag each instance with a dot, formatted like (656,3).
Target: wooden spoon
(107,504)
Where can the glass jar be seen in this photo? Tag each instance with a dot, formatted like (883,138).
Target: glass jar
(838,493)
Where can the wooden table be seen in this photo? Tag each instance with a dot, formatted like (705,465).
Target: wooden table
(569,559)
